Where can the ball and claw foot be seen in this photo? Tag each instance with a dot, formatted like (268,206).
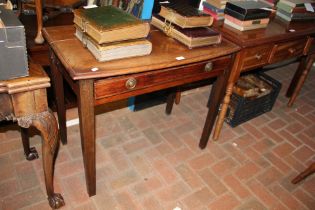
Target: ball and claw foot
(56,201)
(32,155)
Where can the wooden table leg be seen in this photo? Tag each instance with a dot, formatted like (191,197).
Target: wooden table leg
(87,131)
(29,152)
(215,98)
(234,75)
(310,170)
(170,101)
(39,16)
(46,123)
(57,83)
(301,78)
(296,77)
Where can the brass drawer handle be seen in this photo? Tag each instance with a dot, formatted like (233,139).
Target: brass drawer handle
(258,56)
(131,83)
(291,50)
(208,67)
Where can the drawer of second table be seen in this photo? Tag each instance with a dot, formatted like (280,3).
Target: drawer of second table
(287,50)
(160,79)
(256,56)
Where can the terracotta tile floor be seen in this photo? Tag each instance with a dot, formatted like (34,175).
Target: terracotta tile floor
(147,160)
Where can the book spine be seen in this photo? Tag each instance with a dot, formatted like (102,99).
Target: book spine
(247,22)
(212,7)
(291,4)
(282,15)
(213,14)
(284,7)
(147,9)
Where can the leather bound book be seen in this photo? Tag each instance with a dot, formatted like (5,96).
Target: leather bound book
(247,10)
(184,15)
(110,24)
(115,50)
(191,37)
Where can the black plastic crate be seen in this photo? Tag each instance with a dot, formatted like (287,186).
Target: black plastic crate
(249,108)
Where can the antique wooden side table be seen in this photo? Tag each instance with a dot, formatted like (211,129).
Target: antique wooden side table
(24,100)
(170,64)
(278,42)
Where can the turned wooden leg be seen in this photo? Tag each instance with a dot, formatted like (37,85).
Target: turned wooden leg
(29,152)
(57,83)
(310,170)
(233,76)
(46,123)
(300,81)
(170,102)
(87,131)
(39,16)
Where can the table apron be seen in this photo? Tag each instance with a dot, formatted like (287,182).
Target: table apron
(121,87)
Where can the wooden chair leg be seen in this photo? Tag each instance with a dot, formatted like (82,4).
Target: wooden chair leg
(29,152)
(310,170)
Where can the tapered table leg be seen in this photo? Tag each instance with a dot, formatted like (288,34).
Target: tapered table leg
(46,123)
(87,131)
(57,83)
(300,81)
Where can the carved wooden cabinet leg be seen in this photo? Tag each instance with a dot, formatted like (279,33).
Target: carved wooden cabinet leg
(29,152)
(46,123)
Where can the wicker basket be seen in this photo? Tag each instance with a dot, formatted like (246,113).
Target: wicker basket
(242,109)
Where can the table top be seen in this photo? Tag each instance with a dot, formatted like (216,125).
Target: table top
(277,30)
(37,79)
(78,61)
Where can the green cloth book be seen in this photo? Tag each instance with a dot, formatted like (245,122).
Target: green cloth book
(110,24)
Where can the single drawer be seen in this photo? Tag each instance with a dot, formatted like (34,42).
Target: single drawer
(287,50)
(256,56)
(134,84)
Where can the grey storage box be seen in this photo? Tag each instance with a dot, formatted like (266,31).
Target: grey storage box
(13,55)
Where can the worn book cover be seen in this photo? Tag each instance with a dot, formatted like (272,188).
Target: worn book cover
(191,37)
(184,15)
(116,50)
(246,22)
(110,24)
(247,10)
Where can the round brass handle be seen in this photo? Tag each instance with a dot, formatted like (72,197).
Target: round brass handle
(208,67)
(131,83)
(258,56)
(291,50)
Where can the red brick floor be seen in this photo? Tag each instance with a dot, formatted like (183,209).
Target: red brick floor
(147,160)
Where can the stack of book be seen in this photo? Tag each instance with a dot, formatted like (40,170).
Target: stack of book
(186,24)
(215,8)
(290,10)
(247,15)
(110,33)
